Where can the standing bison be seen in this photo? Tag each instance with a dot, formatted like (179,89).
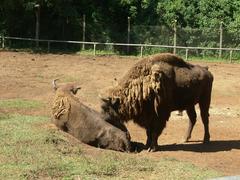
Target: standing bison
(87,125)
(156,86)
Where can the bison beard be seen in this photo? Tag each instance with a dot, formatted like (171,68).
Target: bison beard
(156,86)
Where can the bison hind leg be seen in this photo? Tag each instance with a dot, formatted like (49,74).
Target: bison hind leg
(191,112)
(204,105)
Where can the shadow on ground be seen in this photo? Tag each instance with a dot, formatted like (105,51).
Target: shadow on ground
(195,146)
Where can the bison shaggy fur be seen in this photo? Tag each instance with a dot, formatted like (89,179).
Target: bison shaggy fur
(156,86)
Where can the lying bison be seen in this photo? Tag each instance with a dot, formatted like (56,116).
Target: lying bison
(156,86)
(87,125)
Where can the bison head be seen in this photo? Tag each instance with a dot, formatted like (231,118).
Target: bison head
(109,111)
(109,108)
(61,104)
(67,88)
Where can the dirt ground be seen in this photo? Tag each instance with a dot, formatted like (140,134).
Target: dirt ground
(29,76)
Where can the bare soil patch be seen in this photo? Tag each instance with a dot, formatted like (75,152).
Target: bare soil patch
(28,76)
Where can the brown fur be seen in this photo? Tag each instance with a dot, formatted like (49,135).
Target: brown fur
(156,86)
(71,116)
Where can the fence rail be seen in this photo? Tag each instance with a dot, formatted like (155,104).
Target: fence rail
(142,46)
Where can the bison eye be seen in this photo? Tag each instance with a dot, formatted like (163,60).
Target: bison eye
(116,103)
(104,106)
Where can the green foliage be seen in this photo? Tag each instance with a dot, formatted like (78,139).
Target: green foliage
(107,21)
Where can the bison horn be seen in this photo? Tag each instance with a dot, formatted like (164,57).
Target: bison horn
(104,99)
(54,84)
(100,96)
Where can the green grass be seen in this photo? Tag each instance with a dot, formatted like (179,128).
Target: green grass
(207,59)
(31,150)
(209,56)
(20,103)
(98,52)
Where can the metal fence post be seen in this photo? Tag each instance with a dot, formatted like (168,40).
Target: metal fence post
(84,31)
(175,36)
(48,47)
(94,49)
(3,41)
(230,56)
(37,12)
(141,51)
(186,55)
(220,39)
(128,38)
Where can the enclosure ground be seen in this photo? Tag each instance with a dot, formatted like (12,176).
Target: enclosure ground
(29,76)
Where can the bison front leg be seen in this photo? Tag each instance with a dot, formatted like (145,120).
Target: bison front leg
(192,120)
(157,129)
(149,138)
(154,144)
(152,137)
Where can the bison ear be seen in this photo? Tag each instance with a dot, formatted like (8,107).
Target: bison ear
(75,90)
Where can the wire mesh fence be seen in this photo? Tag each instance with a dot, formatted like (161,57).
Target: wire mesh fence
(152,35)
(218,42)
(218,37)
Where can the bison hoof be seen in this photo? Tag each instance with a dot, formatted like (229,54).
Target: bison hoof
(148,145)
(185,140)
(154,149)
(206,141)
